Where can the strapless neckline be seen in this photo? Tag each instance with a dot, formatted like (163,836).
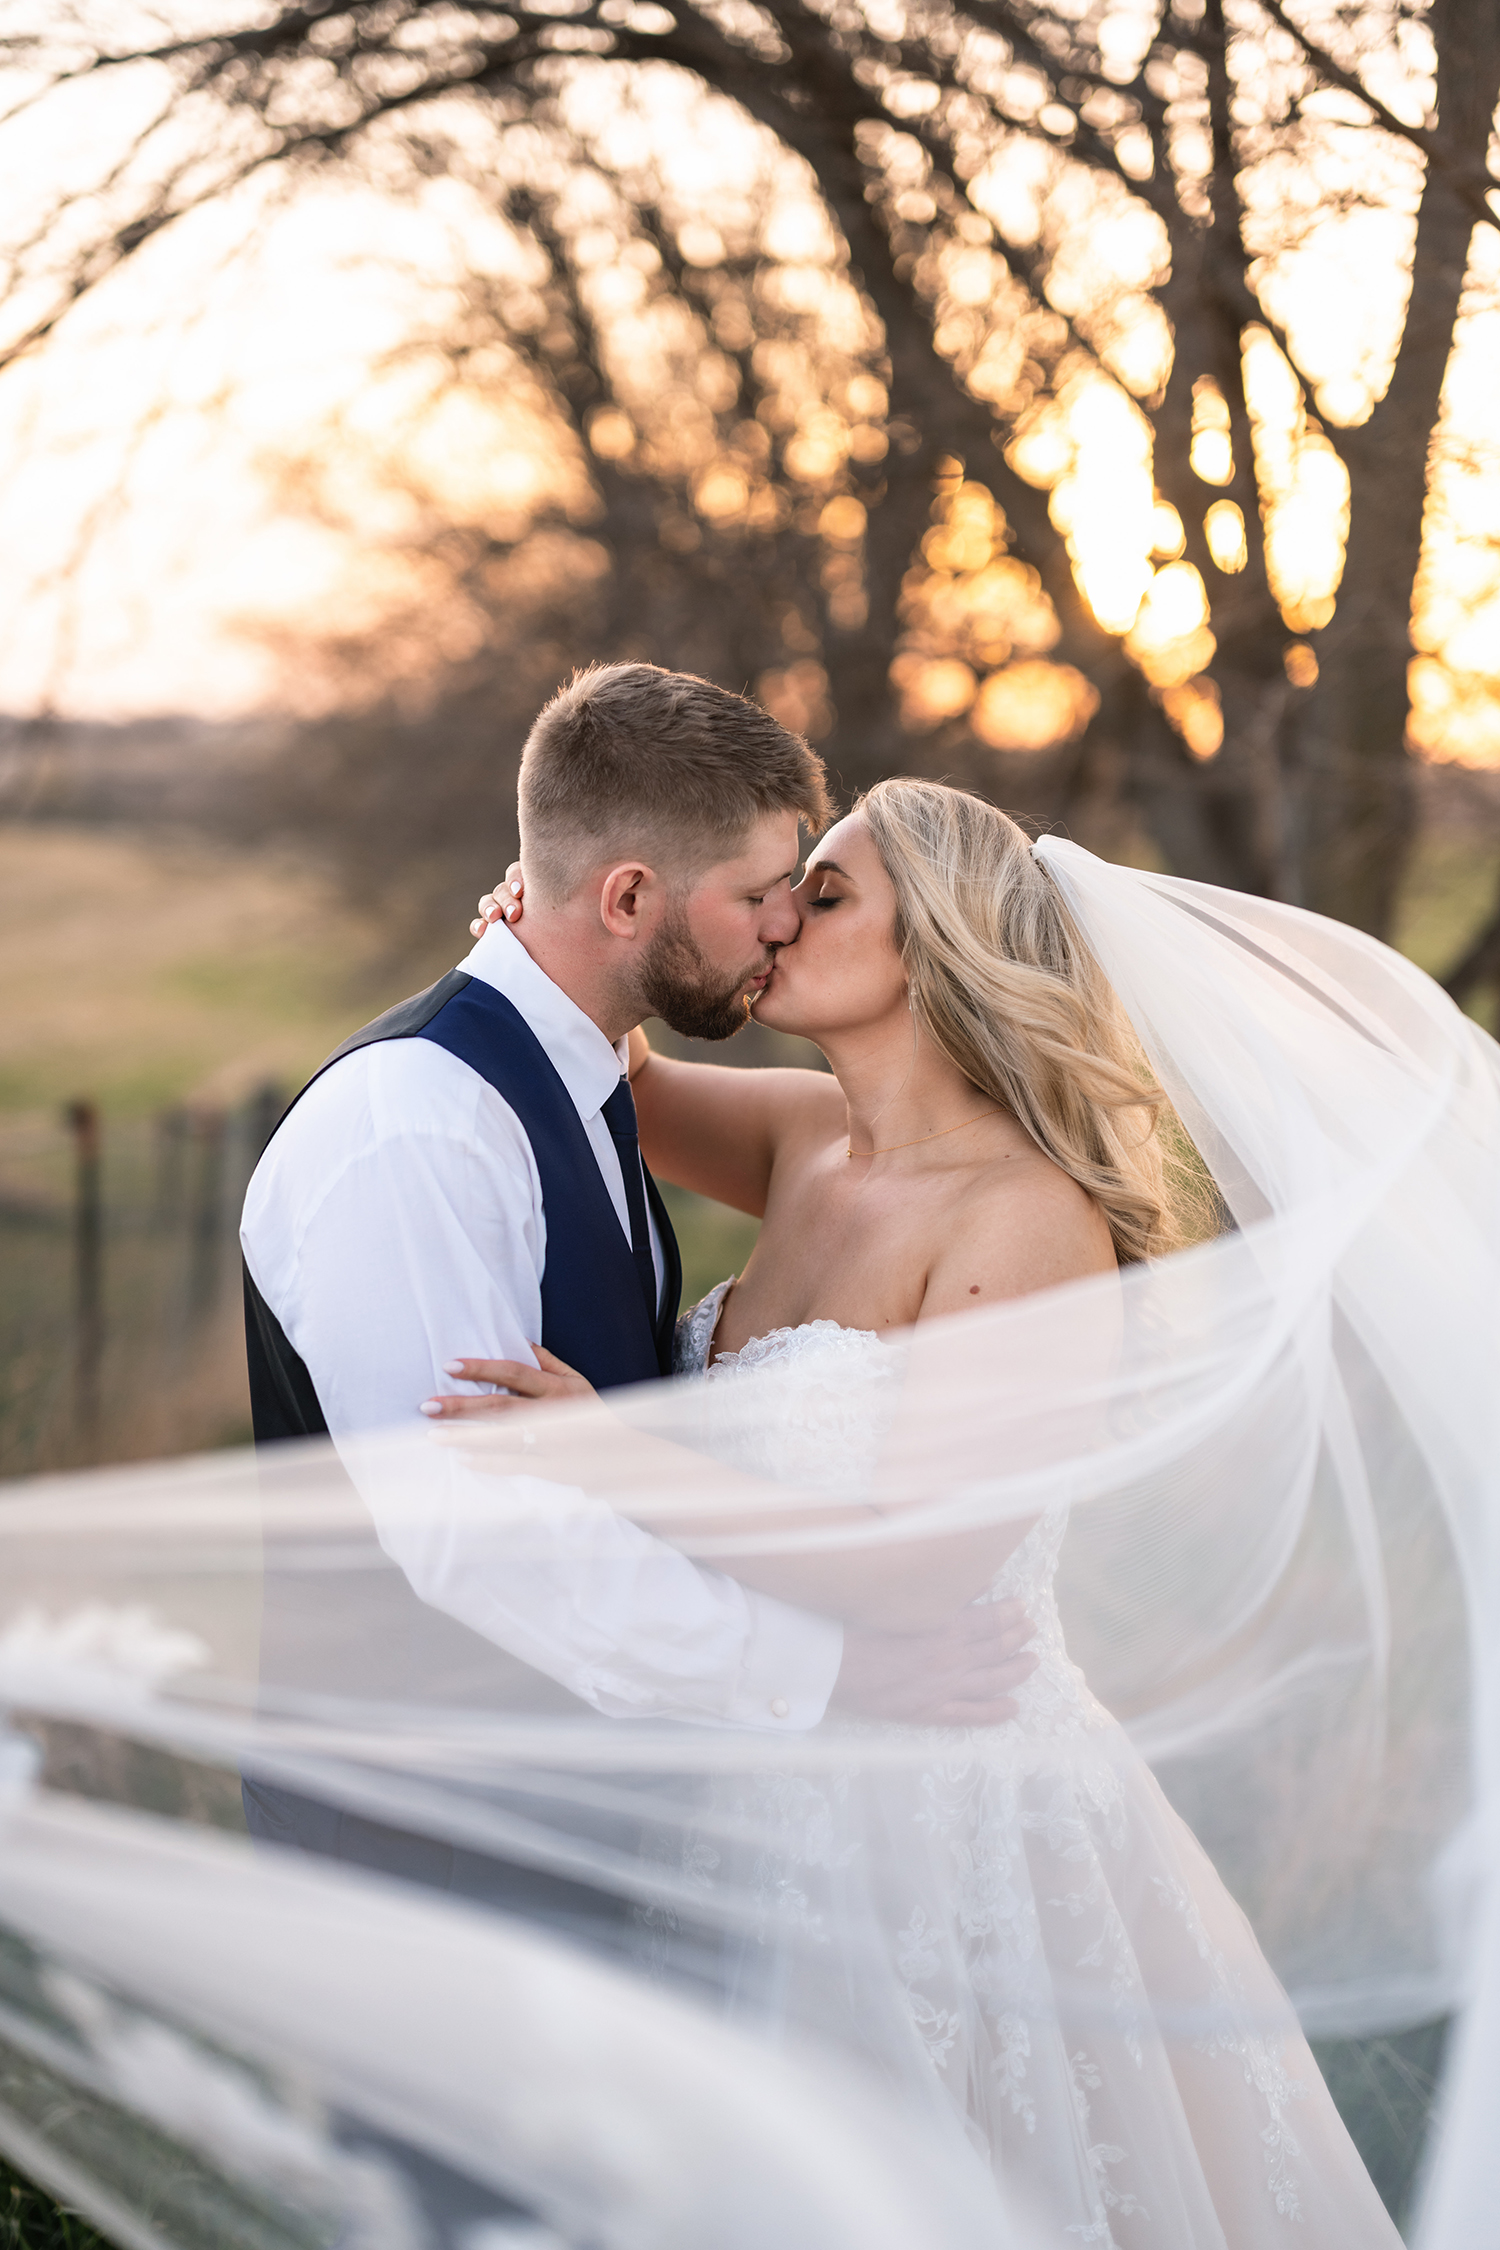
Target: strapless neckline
(698,1325)
(758,1346)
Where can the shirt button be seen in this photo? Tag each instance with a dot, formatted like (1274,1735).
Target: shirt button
(779,1707)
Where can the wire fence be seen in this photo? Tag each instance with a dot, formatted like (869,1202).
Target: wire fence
(120,1319)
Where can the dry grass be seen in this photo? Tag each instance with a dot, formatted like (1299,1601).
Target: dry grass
(141,971)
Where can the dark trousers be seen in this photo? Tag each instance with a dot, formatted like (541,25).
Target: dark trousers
(597,1919)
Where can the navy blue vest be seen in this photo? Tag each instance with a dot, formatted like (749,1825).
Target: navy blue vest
(593,1314)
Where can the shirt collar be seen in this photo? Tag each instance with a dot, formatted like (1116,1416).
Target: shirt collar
(583,1058)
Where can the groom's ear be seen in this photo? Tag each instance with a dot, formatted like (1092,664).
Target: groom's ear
(627,898)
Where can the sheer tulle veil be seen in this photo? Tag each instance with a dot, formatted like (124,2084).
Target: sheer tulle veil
(1278,1450)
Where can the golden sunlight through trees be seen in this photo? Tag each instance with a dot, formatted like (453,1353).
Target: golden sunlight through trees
(968,609)
(1170,638)
(1225,527)
(1092,405)
(1101,499)
(1213,450)
(1033,706)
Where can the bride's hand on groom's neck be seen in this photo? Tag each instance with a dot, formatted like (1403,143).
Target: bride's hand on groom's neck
(505,903)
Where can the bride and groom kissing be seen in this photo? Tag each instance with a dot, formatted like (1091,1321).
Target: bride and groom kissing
(463,1178)
(459,1198)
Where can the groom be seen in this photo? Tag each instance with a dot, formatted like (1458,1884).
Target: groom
(463,1177)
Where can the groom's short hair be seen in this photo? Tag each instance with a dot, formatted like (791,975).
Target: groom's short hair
(629,757)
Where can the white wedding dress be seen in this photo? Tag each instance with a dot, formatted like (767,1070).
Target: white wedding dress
(1043,1950)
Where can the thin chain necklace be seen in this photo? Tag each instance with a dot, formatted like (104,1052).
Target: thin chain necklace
(924,1137)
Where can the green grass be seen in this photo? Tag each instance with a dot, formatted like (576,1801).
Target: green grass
(715,1241)
(1448,896)
(30,2220)
(1385,2088)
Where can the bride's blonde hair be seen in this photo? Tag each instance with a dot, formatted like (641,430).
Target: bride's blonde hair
(1004,986)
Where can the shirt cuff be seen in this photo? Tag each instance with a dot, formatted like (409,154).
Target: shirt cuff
(790,1666)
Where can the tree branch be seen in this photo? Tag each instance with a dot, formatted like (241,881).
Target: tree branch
(1473,189)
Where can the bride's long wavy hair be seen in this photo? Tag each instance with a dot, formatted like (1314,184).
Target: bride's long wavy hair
(1002,983)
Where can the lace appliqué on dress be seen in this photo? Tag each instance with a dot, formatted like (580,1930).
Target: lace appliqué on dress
(1259,2058)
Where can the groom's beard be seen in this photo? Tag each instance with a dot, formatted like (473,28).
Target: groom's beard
(680,984)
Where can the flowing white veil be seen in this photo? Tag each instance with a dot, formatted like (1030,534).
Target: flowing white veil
(1278,1451)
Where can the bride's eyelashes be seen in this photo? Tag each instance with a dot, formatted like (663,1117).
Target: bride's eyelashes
(814,904)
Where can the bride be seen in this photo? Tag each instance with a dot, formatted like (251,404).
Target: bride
(1057,1969)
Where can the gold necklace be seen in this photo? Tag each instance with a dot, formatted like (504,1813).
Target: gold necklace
(924,1137)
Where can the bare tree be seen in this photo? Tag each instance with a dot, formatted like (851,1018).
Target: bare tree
(967,159)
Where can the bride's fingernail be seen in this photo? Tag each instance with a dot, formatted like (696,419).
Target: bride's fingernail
(430,1406)
(454,1366)
(515,890)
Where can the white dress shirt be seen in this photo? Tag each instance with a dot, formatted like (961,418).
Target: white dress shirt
(396,1222)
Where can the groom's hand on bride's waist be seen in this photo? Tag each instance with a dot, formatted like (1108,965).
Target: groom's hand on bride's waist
(962,1674)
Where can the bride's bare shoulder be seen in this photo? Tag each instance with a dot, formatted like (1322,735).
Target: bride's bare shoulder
(1022,1225)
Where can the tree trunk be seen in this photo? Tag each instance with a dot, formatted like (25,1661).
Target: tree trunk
(1222,821)
(1351,785)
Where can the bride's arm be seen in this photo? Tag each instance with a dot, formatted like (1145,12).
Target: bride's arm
(886,1574)
(718,1130)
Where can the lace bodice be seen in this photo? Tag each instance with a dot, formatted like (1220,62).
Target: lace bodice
(831,1410)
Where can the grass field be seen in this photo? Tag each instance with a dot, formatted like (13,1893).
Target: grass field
(145,973)
(142,972)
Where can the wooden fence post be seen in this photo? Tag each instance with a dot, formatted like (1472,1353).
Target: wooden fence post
(170,1187)
(262,1111)
(206,1219)
(88,1272)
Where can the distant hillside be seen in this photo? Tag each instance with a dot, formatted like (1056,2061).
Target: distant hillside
(148,772)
